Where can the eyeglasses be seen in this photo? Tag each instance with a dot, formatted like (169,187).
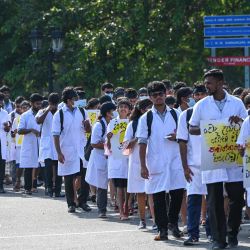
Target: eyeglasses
(155,94)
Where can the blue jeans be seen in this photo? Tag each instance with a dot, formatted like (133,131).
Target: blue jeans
(194,214)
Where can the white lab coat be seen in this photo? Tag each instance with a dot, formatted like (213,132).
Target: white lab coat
(72,139)
(30,145)
(3,135)
(136,184)
(206,109)
(97,170)
(117,167)
(47,148)
(193,156)
(160,151)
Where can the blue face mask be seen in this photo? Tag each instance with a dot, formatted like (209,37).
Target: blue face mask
(191,102)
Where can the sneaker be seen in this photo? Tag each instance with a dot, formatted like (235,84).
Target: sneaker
(85,207)
(232,242)
(142,225)
(176,231)
(71,209)
(217,245)
(28,192)
(190,241)
(154,227)
(102,215)
(59,195)
(185,229)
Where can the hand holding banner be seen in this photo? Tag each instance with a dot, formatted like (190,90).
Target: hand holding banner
(219,148)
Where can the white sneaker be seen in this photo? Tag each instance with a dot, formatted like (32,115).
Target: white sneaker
(185,229)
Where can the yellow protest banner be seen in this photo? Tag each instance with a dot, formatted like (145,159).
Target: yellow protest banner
(219,148)
(246,174)
(117,139)
(93,116)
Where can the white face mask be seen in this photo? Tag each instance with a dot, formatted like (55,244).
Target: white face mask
(143,97)
(191,102)
(110,95)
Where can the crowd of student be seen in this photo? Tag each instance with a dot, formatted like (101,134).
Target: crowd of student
(160,167)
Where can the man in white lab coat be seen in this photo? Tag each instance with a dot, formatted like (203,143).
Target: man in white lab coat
(47,151)
(220,105)
(69,128)
(30,146)
(4,128)
(158,150)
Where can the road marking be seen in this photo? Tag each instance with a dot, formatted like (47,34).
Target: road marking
(63,234)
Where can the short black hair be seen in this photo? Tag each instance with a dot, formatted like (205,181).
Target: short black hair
(92,103)
(4,88)
(170,100)
(19,100)
(25,103)
(216,73)
(105,98)
(45,104)
(35,97)
(182,92)
(107,85)
(54,98)
(142,90)
(81,94)
(167,83)
(247,100)
(68,93)
(124,101)
(131,93)
(118,92)
(106,107)
(1,96)
(156,86)
(199,89)
(178,85)
(238,91)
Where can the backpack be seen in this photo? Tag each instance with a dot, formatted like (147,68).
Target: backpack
(150,119)
(188,117)
(88,148)
(62,118)
(134,126)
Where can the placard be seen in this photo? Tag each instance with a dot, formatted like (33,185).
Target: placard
(218,144)
(246,169)
(118,137)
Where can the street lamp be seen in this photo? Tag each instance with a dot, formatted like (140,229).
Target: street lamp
(57,37)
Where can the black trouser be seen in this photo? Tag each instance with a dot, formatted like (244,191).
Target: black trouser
(83,192)
(28,178)
(2,168)
(216,213)
(161,210)
(49,166)
(167,210)
(176,197)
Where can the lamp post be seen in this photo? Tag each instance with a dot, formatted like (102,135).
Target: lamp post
(57,37)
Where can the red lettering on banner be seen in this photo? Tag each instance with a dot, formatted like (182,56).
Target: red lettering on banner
(229,61)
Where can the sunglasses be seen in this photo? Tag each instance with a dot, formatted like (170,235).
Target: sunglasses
(109,92)
(155,94)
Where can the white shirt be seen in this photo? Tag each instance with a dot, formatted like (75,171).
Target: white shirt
(160,151)
(47,147)
(3,135)
(30,145)
(207,109)
(72,139)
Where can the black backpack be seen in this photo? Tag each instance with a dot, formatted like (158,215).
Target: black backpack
(150,119)
(188,117)
(134,126)
(62,117)
(88,148)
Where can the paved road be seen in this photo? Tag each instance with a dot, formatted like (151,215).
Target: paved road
(43,223)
